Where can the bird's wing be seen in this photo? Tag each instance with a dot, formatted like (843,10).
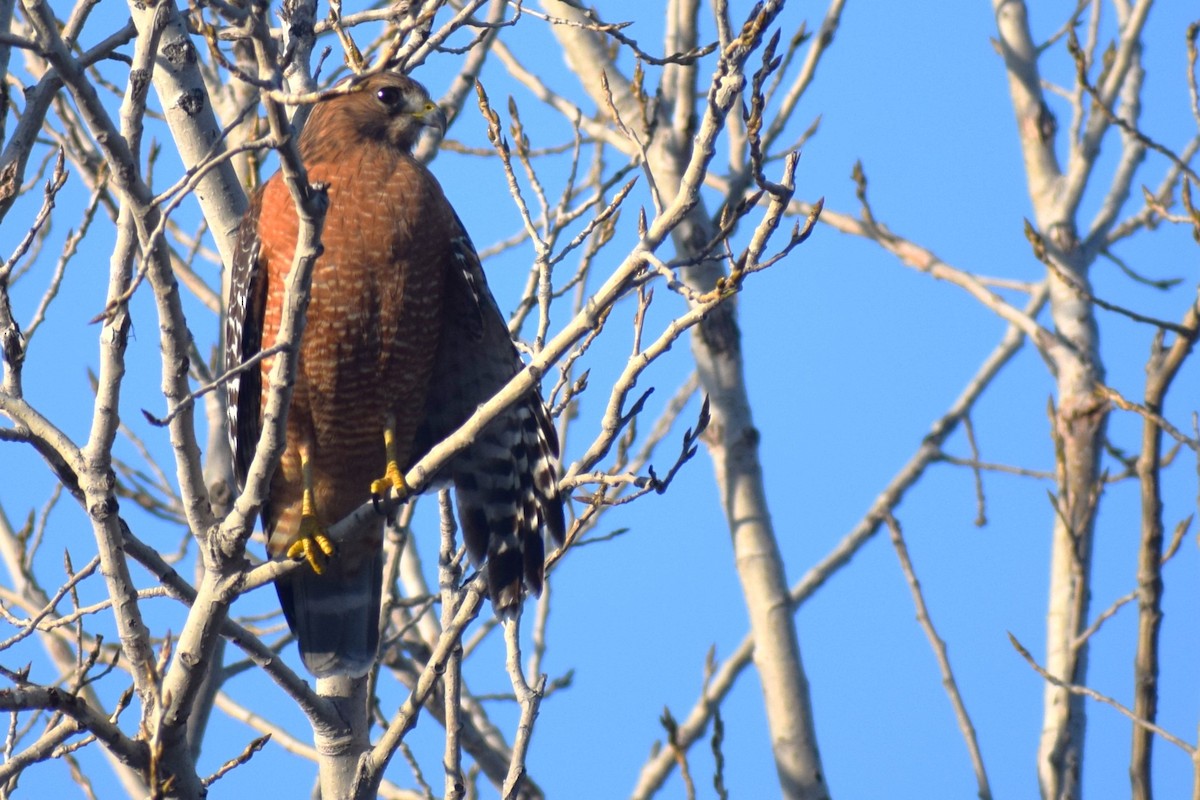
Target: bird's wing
(506,481)
(243,340)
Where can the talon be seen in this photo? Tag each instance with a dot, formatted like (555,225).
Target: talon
(312,545)
(311,542)
(392,478)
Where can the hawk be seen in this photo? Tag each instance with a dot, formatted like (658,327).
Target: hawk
(403,342)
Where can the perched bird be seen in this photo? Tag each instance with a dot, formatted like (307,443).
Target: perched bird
(403,342)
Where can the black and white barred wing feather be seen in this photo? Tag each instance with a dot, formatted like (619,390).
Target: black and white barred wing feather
(506,481)
(243,340)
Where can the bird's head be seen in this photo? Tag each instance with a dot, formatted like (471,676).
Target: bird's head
(387,107)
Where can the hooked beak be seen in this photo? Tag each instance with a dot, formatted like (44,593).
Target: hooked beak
(432,116)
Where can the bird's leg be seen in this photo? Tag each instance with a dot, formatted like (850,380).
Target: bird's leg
(392,478)
(311,544)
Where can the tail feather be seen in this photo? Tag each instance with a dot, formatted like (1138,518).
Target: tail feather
(335,615)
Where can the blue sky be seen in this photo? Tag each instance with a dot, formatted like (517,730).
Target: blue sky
(850,356)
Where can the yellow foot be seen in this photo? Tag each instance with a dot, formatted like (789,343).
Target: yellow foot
(392,479)
(312,545)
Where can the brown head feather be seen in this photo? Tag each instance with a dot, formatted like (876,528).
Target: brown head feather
(385,109)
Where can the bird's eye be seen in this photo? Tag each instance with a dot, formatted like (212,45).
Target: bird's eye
(390,96)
